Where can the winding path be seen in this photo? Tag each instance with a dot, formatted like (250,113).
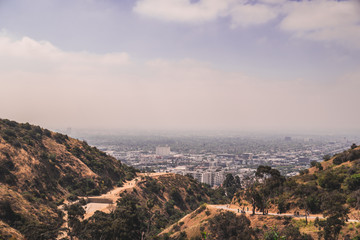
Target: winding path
(105,202)
(238,210)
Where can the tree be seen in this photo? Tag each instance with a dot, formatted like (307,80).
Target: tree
(293,233)
(309,197)
(330,181)
(353,182)
(303,172)
(128,221)
(270,176)
(289,233)
(253,196)
(336,215)
(283,205)
(129,218)
(149,204)
(313,163)
(355,200)
(271,186)
(231,185)
(228,225)
(75,214)
(177,198)
(319,166)
(262,171)
(313,203)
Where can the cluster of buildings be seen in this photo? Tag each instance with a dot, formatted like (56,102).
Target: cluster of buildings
(211,168)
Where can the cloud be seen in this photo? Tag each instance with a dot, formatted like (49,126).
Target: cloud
(27,53)
(324,20)
(241,13)
(248,15)
(182,10)
(328,21)
(45,85)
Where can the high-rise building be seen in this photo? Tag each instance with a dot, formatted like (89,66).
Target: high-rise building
(218,178)
(163,151)
(196,175)
(208,178)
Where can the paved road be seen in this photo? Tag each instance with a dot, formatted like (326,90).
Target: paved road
(225,207)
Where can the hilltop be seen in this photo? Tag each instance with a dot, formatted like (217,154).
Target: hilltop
(39,169)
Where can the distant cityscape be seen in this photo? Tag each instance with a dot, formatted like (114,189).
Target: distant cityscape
(209,159)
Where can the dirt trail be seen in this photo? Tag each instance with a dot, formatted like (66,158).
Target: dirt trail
(236,209)
(113,195)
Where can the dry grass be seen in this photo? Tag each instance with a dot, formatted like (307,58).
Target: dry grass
(10,232)
(192,223)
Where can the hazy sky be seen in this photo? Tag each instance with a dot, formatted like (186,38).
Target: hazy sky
(181,64)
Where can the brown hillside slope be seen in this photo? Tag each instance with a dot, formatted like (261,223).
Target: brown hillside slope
(330,189)
(145,208)
(198,222)
(179,192)
(330,163)
(38,168)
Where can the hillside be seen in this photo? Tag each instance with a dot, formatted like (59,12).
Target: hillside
(216,223)
(316,204)
(42,172)
(39,169)
(145,209)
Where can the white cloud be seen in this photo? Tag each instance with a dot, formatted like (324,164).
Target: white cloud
(240,12)
(27,53)
(318,20)
(182,10)
(324,20)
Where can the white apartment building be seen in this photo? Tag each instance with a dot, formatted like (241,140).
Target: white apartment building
(163,151)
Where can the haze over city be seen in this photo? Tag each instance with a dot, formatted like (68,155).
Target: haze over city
(269,65)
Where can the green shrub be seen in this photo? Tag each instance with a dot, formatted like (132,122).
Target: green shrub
(60,138)
(330,181)
(47,133)
(10,133)
(353,182)
(120,183)
(200,209)
(319,166)
(16,144)
(176,228)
